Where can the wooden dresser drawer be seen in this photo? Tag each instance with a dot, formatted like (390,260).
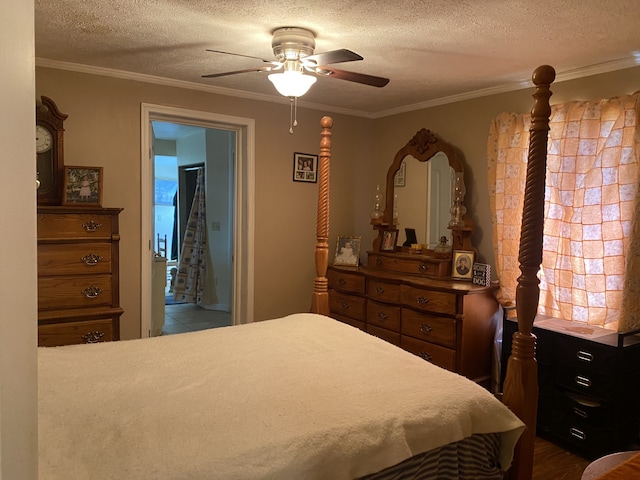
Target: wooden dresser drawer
(74,291)
(345,281)
(412,264)
(384,334)
(74,225)
(383,315)
(74,258)
(441,356)
(429,328)
(347,305)
(73,333)
(349,321)
(428,300)
(383,291)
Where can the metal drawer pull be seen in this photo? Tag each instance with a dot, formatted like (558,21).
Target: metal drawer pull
(580,412)
(342,281)
(422,300)
(579,434)
(344,305)
(91,259)
(91,226)
(378,261)
(92,337)
(379,290)
(583,381)
(425,356)
(584,356)
(92,292)
(422,268)
(382,316)
(426,328)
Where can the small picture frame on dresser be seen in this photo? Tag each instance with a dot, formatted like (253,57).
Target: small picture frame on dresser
(462,267)
(389,240)
(82,186)
(347,251)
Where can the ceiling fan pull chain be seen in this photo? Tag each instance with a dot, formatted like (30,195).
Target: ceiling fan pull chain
(295,111)
(291,115)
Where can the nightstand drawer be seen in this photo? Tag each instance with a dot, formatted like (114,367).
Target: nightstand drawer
(74,291)
(383,291)
(345,281)
(73,333)
(70,259)
(429,328)
(383,315)
(441,356)
(74,225)
(347,305)
(428,300)
(584,381)
(587,355)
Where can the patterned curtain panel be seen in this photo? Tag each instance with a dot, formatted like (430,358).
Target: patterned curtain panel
(192,266)
(591,259)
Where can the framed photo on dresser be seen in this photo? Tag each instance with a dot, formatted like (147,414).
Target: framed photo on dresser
(462,264)
(82,186)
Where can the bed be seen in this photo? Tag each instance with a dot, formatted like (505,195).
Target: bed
(299,397)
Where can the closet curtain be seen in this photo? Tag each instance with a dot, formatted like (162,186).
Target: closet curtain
(591,249)
(192,275)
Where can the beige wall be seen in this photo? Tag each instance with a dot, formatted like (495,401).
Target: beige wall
(103,129)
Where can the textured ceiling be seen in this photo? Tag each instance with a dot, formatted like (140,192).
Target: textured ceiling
(431,50)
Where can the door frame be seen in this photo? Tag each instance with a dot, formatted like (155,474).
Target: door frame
(243,204)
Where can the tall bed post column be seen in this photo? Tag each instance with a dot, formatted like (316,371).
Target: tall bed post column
(320,298)
(521,382)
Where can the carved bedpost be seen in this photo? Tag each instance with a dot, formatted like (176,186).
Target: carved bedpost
(521,382)
(320,298)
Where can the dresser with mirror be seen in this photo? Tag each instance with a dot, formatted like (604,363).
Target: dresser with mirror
(406,294)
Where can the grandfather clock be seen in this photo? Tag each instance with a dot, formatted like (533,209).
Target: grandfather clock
(49,151)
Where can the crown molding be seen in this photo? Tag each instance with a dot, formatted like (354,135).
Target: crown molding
(590,70)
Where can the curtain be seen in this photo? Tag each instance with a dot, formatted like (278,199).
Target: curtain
(192,266)
(591,250)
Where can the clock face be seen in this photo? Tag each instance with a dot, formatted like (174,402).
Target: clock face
(43,139)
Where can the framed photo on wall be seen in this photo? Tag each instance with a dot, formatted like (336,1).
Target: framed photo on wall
(305,167)
(462,267)
(82,186)
(347,251)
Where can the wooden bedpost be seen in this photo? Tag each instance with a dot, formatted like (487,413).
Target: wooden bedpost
(320,298)
(521,382)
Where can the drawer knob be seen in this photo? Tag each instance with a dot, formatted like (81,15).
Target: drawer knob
(92,337)
(583,381)
(91,259)
(382,316)
(584,356)
(425,356)
(378,261)
(342,281)
(379,290)
(579,434)
(426,328)
(92,292)
(422,301)
(422,268)
(91,226)
(344,305)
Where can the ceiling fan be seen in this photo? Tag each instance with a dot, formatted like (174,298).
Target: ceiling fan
(293,48)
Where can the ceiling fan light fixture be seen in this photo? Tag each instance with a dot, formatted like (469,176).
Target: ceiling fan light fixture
(292,83)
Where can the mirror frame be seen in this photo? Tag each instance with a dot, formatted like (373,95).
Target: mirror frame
(423,146)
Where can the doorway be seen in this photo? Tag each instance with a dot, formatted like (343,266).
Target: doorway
(240,182)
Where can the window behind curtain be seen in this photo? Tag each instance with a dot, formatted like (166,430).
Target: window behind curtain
(588,273)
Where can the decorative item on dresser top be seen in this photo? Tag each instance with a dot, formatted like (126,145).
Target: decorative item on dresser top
(410,299)
(78,275)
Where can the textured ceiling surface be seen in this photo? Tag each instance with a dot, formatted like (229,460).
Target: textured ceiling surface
(429,49)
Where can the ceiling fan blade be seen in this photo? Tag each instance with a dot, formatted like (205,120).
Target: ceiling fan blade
(352,76)
(334,56)
(239,55)
(246,70)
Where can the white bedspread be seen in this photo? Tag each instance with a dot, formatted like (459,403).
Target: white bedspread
(301,397)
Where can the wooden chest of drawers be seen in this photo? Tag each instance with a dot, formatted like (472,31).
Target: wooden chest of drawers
(449,323)
(589,385)
(78,275)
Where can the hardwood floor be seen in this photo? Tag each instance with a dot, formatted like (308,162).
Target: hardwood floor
(553,462)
